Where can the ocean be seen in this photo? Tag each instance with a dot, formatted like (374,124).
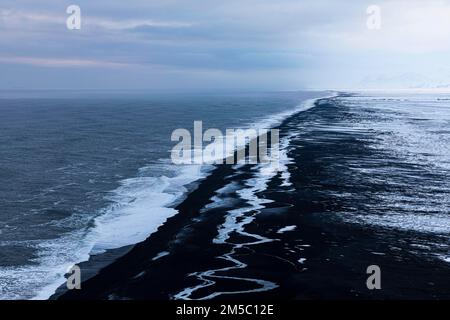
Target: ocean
(84,172)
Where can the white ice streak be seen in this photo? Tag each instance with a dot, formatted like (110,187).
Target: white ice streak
(287,229)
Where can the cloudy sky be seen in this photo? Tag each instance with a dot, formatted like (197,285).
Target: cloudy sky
(226,44)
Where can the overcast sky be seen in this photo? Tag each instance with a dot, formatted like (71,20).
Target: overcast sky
(227,44)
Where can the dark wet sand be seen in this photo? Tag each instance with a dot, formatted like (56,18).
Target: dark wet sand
(336,253)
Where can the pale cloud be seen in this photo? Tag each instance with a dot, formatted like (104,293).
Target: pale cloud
(13,19)
(132,24)
(61,62)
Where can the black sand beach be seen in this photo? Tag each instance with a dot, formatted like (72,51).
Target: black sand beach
(320,254)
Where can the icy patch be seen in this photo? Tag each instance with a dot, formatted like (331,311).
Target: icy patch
(160,255)
(286,229)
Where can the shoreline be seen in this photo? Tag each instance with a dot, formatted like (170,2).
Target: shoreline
(97,262)
(307,244)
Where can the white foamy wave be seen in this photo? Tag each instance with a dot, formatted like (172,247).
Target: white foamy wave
(140,206)
(235,140)
(277,119)
(55,259)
